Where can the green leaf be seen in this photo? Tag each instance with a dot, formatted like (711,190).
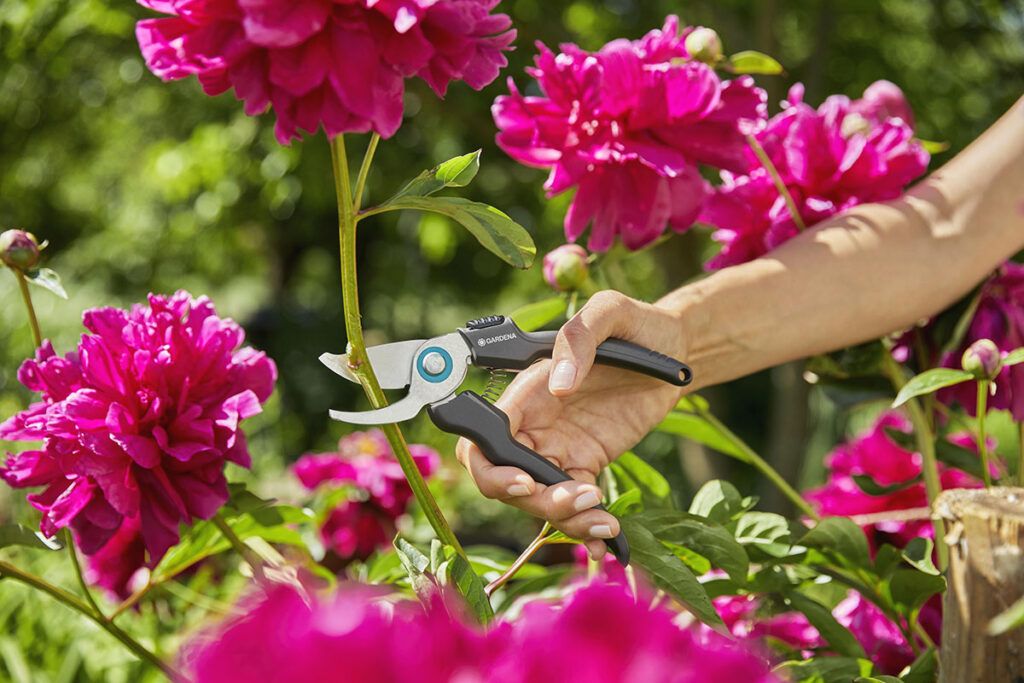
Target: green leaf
(946,452)
(498,233)
(826,669)
(631,472)
(1009,619)
(911,588)
(869,486)
(1014,357)
(626,504)
(713,542)
(886,559)
(384,568)
(693,403)
(455,571)
(417,566)
(718,501)
(457,172)
(752,62)
(695,427)
(930,381)
(668,572)
(47,279)
(242,500)
(881,678)
(766,531)
(932,146)
(922,670)
(16,534)
(838,636)
(841,536)
(538,314)
(918,554)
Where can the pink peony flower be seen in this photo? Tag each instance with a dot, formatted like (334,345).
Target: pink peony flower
(830,159)
(874,454)
(139,422)
(366,522)
(627,126)
(113,567)
(881,639)
(740,614)
(600,633)
(340,64)
(1000,317)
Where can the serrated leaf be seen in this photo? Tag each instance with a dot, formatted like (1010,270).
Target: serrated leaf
(869,486)
(1014,357)
(668,572)
(456,172)
(922,669)
(753,62)
(498,233)
(841,536)
(918,554)
(718,501)
(47,278)
(538,314)
(930,381)
(692,426)
(838,636)
(712,542)
(16,534)
(1007,620)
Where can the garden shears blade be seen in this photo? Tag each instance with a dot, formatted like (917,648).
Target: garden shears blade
(433,369)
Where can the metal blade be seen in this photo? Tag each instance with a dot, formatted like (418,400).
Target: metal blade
(392,363)
(406,409)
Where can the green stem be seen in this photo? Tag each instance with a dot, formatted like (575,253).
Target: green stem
(358,362)
(10,571)
(530,551)
(26,296)
(70,543)
(364,171)
(762,156)
(986,475)
(240,547)
(750,456)
(926,445)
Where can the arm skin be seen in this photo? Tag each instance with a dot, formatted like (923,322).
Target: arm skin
(862,274)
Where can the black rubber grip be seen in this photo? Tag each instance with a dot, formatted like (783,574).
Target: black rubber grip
(471,416)
(504,345)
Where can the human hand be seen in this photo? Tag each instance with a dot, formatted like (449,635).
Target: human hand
(580,416)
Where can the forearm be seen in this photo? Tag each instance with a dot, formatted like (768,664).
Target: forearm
(873,270)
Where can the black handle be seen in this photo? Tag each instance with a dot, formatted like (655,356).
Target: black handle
(497,342)
(469,415)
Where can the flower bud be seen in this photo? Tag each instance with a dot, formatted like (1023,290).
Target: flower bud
(704,45)
(565,268)
(982,359)
(19,249)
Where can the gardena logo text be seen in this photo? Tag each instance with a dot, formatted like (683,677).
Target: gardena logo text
(493,340)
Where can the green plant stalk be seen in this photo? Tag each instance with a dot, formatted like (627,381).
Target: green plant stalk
(759,463)
(26,296)
(762,156)
(986,474)
(239,545)
(925,444)
(69,541)
(357,358)
(8,570)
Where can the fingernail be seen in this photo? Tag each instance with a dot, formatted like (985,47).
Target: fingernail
(601,531)
(518,490)
(586,500)
(562,376)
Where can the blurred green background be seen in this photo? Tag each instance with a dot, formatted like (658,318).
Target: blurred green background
(144,186)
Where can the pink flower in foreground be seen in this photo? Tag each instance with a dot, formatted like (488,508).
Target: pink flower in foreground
(627,126)
(1000,317)
(364,460)
(600,634)
(340,64)
(876,455)
(139,422)
(830,159)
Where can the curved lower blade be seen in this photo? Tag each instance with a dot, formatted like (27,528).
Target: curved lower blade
(406,409)
(392,363)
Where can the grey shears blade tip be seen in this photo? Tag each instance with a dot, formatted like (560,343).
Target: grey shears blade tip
(338,363)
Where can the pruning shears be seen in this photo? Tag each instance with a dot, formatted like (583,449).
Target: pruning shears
(434,368)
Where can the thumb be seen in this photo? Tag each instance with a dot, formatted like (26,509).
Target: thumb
(607,313)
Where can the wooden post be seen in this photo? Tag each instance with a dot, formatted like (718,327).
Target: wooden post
(985,532)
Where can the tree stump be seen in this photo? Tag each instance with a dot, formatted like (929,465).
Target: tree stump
(985,532)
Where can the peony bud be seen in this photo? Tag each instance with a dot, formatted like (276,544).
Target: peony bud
(19,249)
(565,268)
(704,45)
(982,359)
